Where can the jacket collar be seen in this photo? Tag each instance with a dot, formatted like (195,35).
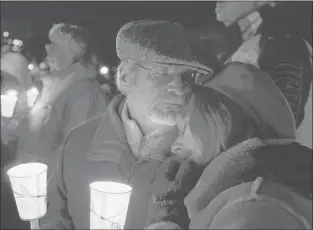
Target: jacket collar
(109,142)
(132,131)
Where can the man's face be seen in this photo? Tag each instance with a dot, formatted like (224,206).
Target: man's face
(161,92)
(59,57)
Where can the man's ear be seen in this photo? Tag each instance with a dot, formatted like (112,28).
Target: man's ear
(126,79)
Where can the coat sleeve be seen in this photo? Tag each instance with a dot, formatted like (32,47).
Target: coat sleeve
(250,206)
(57,216)
(66,113)
(258,214)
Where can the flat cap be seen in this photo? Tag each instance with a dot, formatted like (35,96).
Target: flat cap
(163,43)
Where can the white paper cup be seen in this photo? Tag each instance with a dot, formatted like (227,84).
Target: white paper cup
(29,185)
(108,204)
(8,103)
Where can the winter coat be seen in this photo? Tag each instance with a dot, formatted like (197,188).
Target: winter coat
(60,107)
(95,150)
(257,184)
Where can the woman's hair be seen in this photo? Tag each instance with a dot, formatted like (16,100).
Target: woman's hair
(225,122)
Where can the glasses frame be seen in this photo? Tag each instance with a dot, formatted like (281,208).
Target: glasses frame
(194,80)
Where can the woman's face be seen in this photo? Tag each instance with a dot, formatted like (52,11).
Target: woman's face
(198,135)
(185,144)
(192,140)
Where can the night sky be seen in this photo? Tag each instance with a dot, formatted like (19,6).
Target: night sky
(103,19)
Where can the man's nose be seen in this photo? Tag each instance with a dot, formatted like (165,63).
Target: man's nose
(179,86)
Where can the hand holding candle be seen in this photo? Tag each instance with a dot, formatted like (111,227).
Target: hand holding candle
(29,185)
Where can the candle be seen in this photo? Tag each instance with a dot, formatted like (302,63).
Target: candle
(108,204)
(8,102)
(29,185)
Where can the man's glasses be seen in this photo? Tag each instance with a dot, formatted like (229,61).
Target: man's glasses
(160,74)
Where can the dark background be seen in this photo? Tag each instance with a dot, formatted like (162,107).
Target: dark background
(103,19)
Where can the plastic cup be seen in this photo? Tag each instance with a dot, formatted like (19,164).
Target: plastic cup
(29,185)
(108,204)
(8,103)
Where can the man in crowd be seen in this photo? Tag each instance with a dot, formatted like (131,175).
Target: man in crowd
(159,63)
(142,122)
(70,95)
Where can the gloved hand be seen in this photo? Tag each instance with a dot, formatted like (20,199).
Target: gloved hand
(173,181)
(141,177)
(230,12)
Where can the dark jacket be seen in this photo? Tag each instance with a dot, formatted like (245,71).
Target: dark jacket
(95,150)
(250,180)
(242,185)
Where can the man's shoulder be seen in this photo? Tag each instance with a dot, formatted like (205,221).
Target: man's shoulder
(84,132)
(86,129)
(81,137)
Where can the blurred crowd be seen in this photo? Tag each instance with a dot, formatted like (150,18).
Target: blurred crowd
(211,126)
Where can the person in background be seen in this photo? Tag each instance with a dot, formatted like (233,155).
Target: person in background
(5,48)
(10,88)
(286,55)
(240,128)
(159,68)
(70,95)
(255,33)
(14,67)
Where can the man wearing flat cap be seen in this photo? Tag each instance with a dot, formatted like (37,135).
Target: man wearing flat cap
(160,64)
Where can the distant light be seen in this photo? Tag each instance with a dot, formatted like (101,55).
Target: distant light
(16,42)
(30,66)
(6,34)
(104,70)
